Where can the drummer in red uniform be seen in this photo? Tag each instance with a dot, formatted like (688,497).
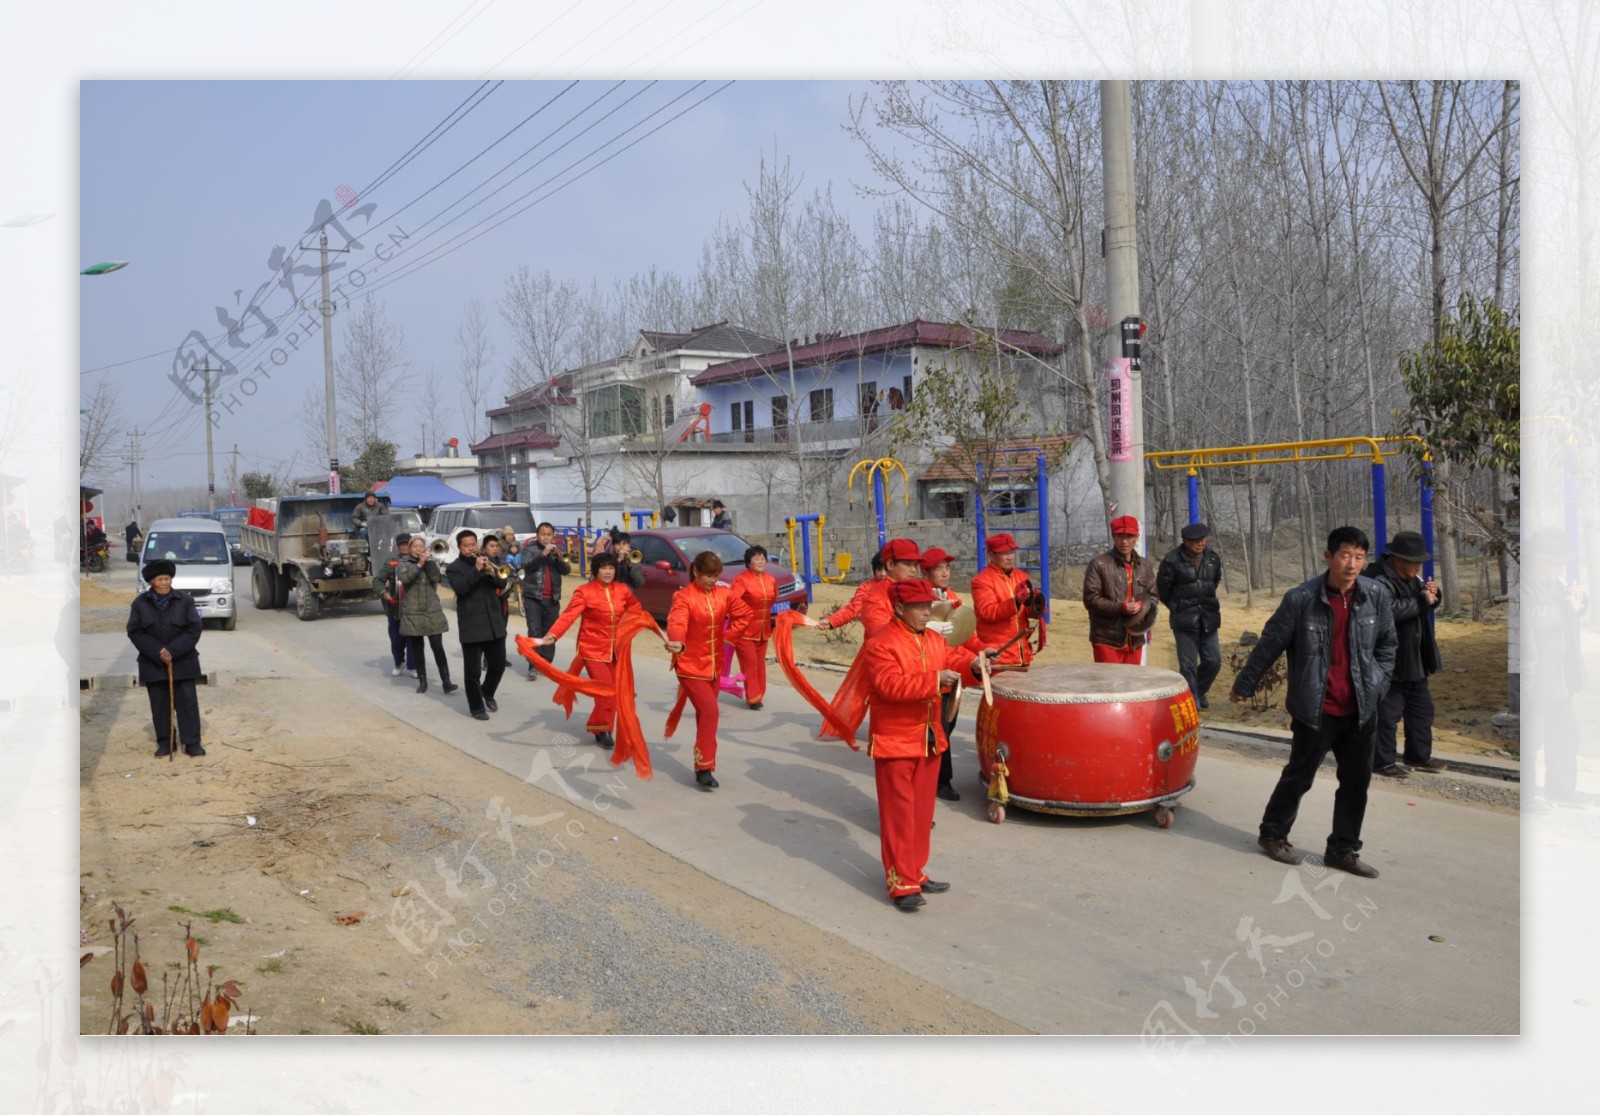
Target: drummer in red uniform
(598,605)
(1119,590)
(907,667)
(901,559)
(759,590)
(937,567)
(1000,596)
(700,611)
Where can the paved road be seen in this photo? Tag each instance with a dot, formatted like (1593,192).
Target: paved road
(1061,925)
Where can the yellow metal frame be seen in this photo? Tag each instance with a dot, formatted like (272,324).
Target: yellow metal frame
(887,464)
(1285,453)
(841,558)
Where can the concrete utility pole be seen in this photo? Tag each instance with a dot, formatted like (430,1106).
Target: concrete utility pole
(211,470)
(233,477)
(133,469)
(1125,389)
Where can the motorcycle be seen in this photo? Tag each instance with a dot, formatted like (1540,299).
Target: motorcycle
(97,558)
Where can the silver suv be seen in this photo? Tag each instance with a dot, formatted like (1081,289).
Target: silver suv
(205,565)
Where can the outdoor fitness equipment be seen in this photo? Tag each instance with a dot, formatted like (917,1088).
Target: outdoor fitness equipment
(1020,462)
(876,472)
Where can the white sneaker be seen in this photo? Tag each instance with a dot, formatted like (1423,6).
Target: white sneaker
(412,673)
(395,673)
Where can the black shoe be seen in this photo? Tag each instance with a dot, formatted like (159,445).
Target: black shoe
(706,780)
(754,704)
(422,685)
(1278,849)
(490,704)
(948,793)
(1352,863)
(480,715)
(1204,704)
(451,687)
(910,902)
(934,887)
(1432,766)
(163,750)
(1394,771)
(193,750)
(606,740)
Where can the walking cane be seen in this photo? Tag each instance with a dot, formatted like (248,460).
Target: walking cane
(172,715)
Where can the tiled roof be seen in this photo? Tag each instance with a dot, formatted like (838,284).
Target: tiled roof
(660,339)
(955,464)
(947,335)
(516,439)
(720,337)
(538,395)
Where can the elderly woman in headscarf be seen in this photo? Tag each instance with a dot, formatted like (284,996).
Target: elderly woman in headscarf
(164,624)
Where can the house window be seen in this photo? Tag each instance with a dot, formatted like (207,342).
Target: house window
(867,405)
(667,413)
(616,409)
(822,405)
(780,418)
(905,390)
(744,418)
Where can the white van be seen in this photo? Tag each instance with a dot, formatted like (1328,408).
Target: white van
(205,564)
(482,516)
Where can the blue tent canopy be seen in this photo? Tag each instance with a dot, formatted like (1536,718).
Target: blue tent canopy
(421,492)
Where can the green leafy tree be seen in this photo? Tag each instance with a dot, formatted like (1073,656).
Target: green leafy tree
(259,486)
(374,463)
(1465,401)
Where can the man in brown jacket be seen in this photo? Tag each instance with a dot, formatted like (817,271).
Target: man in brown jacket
(1119,590)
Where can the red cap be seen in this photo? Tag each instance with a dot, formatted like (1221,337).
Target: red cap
(913,590)
(933,556)
(1000,544)
(1124,525)
(901,550)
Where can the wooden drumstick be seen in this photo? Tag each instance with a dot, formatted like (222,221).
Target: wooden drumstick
(983,673)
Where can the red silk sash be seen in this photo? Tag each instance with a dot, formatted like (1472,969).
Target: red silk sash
(843,716)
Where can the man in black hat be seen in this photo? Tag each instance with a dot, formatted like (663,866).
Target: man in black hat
(1187,584)
(165,625)
(720,519)
(1416,657)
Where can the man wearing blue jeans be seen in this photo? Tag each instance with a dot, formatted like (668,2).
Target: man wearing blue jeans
(1338,629)
(385,586)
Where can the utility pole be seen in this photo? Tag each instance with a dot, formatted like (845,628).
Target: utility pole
(1125,390)
(233,477)
(327,309)
(133,470)
(211,472)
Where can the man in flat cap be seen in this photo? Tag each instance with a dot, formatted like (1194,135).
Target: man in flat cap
(1119,590)
(1002,596)
(1187,584)
(1416,657)
(164,624)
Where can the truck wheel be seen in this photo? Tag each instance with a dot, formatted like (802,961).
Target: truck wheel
(281,584)
(306,605)
(262,589)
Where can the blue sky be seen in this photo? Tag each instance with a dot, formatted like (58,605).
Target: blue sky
(195,183)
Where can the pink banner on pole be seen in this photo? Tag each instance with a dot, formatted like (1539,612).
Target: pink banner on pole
(1119,410)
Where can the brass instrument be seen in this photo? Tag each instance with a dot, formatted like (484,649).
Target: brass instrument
(636,556)
(500,570)
(440,548)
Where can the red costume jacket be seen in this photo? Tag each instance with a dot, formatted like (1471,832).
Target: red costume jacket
(759,591)
(1000,617)
(902,672)
(870,604)
(696,620)
(601,608)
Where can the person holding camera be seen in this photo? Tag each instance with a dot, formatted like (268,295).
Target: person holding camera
(543,566)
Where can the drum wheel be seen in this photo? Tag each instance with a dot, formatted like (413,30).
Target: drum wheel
(1163,817)
(997,812)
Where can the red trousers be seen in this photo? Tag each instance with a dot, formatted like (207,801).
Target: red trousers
(753,661)
(906,789)
(703,696)
(604,716)
(1104,653)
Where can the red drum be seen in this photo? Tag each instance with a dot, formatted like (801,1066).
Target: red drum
(1090,739)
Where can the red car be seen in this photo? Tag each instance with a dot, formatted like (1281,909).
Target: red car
(667,553)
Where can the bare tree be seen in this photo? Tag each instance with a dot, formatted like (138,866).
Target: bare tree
(100,428)
(433,413)
(314,423)
(477,372)
(542,314)
(371,375)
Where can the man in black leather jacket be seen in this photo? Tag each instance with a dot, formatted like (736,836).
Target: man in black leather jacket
(1338,629)
(1187,584)
(543,565)
(1416,657)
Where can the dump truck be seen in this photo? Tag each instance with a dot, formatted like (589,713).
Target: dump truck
(308,545)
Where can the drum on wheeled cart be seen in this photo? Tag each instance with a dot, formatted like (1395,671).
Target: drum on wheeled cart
(1088,740)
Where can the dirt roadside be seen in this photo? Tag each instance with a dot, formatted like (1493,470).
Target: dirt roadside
(528,916)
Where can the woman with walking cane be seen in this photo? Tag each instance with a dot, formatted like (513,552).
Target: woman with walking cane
(165,626)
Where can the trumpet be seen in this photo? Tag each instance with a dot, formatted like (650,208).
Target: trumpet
(500,570)
(439,548)
(636,556)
